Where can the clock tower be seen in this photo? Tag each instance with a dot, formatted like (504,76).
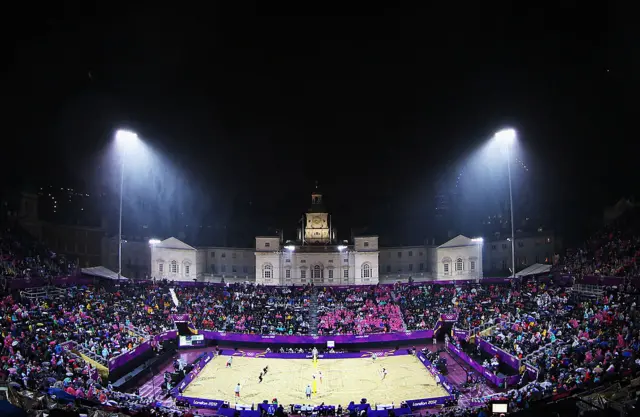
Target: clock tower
(317,227)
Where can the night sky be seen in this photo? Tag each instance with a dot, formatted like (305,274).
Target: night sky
(253,109)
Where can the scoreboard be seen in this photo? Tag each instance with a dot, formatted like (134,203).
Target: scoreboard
(191,341)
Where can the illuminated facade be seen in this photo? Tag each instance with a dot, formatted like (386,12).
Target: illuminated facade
(316,257)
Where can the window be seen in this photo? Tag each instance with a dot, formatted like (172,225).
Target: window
(494,247)
(420,253)
(388,268)
(520,244)
(174,267)
(494,266)
(330,261)
(446,268)
(233,255)
(473,265)
(317,272)
(410,267)
(331,274)
(267,271)
(186,269)
(224,255)
(399,254)
(288,260)
(223,268)
(548,240)
(160,267)
(345,274)
(410,253)
(346,260)
(366,244)
(504,246)
(524,261)
(303,261)
(287,273)
(245,269)
(234,268)
(537,259)
(303,273)
(459,264)
(422,267)
(267,244)
(504,264)
(366,271)
(213,269)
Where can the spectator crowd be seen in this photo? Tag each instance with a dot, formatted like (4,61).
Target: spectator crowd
(573,342)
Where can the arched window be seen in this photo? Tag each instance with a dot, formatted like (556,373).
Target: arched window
(459,264)
(446,264)
(365,271)
(174,267)
(267,271)
(317,272)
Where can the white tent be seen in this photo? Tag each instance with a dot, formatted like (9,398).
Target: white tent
(535,269)
(101,272)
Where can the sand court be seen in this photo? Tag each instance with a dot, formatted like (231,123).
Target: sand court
(343,380)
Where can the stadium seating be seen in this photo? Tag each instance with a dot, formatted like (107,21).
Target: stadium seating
(575,343)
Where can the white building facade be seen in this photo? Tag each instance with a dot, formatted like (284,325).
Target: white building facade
(316,257)
(459,258)
(174,260)
(290,264)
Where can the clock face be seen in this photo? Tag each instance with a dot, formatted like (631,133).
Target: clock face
(316,221)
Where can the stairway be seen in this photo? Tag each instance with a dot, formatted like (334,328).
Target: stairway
(313,312)
(395,298)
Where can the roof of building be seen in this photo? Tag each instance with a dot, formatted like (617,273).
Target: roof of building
(173,243)
(457,241)
(534,269)
(102,272)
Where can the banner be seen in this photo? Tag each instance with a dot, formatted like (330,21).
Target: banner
(449,317)
(180,317)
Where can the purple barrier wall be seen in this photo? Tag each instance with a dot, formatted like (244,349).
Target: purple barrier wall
(346,339)
(194,372)
(511,361)
(497,381)
(121,360)
(118,361)
(35,282)
(431,402)
(338,287)
(461,334)
(348,355)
